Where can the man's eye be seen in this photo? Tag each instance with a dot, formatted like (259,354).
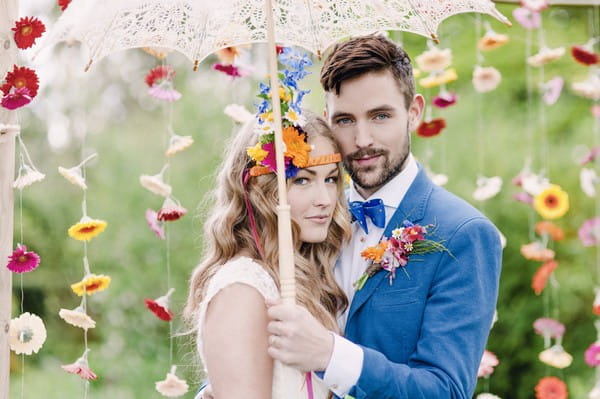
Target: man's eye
(382,116)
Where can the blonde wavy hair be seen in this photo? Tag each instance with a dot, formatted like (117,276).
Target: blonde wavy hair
(227,232)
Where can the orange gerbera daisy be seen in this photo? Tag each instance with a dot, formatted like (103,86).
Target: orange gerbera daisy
(540,278)
(296,146)
(376,252)
(492,40)
(27,30)
(551,388)
(21,77)
(536,251)
(549,228)
(552,202)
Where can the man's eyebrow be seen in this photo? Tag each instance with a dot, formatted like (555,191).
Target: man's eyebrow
(380,108)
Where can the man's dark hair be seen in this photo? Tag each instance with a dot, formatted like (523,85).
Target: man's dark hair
(364,54)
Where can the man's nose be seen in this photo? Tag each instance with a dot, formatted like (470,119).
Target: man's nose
(363,137)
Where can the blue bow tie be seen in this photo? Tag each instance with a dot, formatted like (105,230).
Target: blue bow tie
(373,208)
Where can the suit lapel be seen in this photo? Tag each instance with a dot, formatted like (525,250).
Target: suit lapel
(411,208)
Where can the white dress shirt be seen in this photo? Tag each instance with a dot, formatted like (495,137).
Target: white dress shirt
(345,364)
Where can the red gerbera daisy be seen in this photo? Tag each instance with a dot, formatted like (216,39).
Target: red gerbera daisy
(584,55)
(431,128)
(21,77)
(158,74)
(63,4)
(551,388)
(160,306)
(27,29)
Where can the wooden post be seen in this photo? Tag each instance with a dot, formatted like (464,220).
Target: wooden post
(8,57)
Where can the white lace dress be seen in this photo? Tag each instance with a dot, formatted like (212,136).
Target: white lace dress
(244,270)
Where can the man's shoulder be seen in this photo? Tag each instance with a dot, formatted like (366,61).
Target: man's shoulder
(452,210)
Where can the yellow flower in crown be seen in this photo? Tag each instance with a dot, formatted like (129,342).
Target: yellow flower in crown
(439,79)
(90,284)
(552,202)
(87,228)
(296,146)
(256,152)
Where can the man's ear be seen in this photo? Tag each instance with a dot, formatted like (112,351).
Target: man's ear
(415,112)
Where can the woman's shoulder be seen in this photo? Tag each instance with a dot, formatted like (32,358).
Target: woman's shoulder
(242,270)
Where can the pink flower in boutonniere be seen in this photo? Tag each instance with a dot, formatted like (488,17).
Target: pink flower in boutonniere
(393,252)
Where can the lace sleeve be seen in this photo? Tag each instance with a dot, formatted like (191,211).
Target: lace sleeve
(241,270)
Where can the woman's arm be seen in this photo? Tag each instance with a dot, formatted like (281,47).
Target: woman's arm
(235,344)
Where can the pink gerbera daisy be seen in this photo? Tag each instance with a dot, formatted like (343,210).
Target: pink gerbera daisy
(81,368)
(22,261)
(16,98)
(592,355)
(155,224)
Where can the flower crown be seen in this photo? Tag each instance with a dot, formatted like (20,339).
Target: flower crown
(297,149)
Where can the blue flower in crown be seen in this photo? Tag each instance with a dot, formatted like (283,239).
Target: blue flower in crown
(294,138)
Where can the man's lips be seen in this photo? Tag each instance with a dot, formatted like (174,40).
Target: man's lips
(367,160)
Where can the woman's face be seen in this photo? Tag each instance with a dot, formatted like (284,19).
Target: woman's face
(313,193)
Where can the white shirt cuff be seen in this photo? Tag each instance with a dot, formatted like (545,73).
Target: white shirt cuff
(344,367)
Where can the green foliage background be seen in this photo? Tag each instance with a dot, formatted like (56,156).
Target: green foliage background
(488,134)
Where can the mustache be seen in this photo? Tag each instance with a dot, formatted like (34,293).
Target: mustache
(366,152)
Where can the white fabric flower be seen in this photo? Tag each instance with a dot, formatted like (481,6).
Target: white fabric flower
(77,317)
(487,187)
(238,113)
(534,184)
(486,79)
(434,59)
(172,386)
(595,392)
(438,179)
(27,176)
(487,395)
(545,55)
(27,334)
(588,179)
(178,143)
(589,88)
(556,356)
(156,184)
(73,175)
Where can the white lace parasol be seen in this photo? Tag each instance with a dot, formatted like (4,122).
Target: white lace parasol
(197,28)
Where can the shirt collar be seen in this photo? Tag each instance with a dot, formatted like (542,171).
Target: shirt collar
(393,191)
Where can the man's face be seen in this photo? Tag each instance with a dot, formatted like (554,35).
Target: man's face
(370,121)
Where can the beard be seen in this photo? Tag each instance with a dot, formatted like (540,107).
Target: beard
(375,176)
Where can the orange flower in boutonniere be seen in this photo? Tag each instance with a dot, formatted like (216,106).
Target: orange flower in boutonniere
(391,253)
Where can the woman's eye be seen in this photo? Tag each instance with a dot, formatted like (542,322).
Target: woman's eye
(300,181)
(332,179)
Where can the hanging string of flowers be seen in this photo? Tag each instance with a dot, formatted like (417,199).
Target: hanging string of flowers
(160,81)
(27,332)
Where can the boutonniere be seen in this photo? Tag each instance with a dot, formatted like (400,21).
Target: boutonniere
(394,252)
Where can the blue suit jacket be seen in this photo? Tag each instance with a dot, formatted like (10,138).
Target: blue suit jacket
(423,336)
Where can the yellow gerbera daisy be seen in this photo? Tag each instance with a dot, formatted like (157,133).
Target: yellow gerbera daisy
(256,152)
(87,228)
(552,202)
(435,80)
(296,147)
(90,284)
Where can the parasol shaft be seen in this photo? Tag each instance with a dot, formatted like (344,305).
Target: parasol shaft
(286,249)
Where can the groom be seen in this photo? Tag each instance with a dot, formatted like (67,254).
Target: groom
(420,334)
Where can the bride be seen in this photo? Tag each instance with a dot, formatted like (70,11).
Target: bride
(226,303)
